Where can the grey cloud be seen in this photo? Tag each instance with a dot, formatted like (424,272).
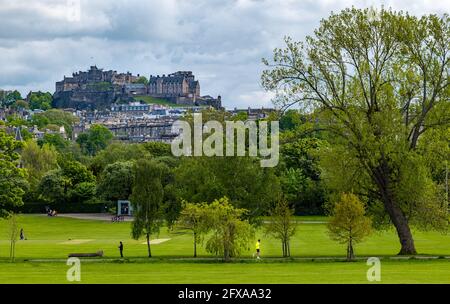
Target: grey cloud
(222,42)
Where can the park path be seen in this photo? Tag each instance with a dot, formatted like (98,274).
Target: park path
(93,216)
(107,217)
(237,260)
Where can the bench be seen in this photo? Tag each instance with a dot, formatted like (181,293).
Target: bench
(86,255)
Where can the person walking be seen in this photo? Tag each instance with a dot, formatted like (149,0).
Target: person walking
(121,249)
(258,246)
(22,235)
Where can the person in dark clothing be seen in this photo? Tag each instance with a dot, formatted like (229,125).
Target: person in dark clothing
(22,235)
(121,249)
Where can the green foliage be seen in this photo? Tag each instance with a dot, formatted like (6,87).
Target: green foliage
(231,234)
(291,120)
(300,153)
(348,224)
(16,121)
(116,181)
(26,135)
(115,152)
(100,86)
(282,225)
(195,217)
(300,174)
(72,183)
(55,117)
(54,186)
(158,149)
(154,100)
(20,104)
(83,191)
(247,185)
(147,200)
(241,116)
(12,179)
(75,171)
(435,148)
(305,194)
(172,205)
(97,138)
(40,100)
(378,81)
(37,161)
(142,79)
(11,98)
(55,140)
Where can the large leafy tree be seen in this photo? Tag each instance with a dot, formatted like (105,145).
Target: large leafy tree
(380,81)
(158,149)
(299,172)
(37,161)
(55,140)
(71,183)
(11,98)
(282,225)
(116,181)
(97,138)
(40,100)
(54,187)
(241,179)
(115,152)
(12,178)
(147,200)
(231,232)
(348,224)
(195,217)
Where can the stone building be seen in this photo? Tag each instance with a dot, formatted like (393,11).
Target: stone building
(180,88)
(97,89)
(93,89)
(81,80)
(177,84)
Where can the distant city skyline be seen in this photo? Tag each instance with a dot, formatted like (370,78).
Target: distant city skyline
(222,42)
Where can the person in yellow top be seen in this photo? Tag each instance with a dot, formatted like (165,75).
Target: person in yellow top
(258,244)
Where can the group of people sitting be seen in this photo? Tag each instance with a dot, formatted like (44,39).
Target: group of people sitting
(117,218)
(51,212)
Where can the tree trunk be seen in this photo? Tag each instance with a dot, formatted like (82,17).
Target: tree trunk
(403,231)
(396,215)
(148,246)
(226,254)
(195,245)
(288,249)
(350,253)
(11,251)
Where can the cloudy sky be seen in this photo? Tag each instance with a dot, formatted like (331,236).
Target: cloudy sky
(222,42)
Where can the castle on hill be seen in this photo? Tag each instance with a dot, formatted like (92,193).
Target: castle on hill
(98,89)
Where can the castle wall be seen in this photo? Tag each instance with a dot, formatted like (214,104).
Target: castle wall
(98,89)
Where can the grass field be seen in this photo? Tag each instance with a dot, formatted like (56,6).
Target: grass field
(41,258)
(153,100)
